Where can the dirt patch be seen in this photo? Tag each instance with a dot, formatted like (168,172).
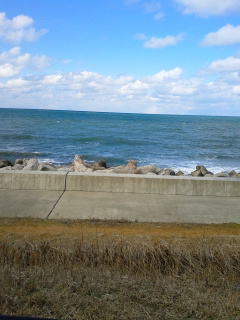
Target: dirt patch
(47,229)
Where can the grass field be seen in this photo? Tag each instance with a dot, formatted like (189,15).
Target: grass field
(119,270)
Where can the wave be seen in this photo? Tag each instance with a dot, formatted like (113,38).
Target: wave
(17,137)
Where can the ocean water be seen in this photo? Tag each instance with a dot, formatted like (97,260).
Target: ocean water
(167,141)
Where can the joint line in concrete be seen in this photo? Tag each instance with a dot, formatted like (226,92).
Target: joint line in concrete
(65,184)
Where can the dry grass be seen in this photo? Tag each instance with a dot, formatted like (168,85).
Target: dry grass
(106,275)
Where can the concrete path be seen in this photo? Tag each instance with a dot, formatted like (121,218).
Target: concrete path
(147,207)
(104,205)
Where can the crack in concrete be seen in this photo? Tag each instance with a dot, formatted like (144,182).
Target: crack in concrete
(65,184)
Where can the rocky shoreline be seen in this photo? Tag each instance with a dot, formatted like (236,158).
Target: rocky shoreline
(78,165)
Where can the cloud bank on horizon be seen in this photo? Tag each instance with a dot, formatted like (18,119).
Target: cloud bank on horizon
(145,56)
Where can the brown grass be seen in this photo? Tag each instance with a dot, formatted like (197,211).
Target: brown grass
(119,270)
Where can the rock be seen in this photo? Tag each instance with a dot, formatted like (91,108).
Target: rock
(130,168)
(179,173)
(6,168)
(159,170)
(197,173)
(25,161)
(232,173)
(5,163)
(32,164)
(18,167)
(168,172)
(203,170)
(66,169)
(151,174)
(146,169)
(132,164)
(46,167)
(209,175)
(80,165)
(221,175)
(19,161)
(100,165)
(123,169)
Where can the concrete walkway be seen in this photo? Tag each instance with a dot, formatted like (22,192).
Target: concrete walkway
(56,195)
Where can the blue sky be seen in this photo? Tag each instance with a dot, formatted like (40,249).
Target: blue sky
(169,56)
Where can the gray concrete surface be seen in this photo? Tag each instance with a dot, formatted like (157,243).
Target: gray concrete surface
(32,180)
(27,203)
(147,207)
(59,195)
(165,185)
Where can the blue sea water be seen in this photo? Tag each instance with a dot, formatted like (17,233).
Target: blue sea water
(168,141)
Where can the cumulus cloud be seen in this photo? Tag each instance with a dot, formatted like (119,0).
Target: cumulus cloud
(18,29)
(225,36)
(155,42)
(12,62)
(164,75)
(207,8)
(230,64)
(164,92)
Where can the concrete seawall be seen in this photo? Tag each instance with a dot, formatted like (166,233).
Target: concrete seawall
(106,196)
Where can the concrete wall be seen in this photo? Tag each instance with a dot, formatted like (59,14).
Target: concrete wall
(142,184)
(60,195)
(32,180)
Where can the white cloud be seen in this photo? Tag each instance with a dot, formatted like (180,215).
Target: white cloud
(18,29)
(209,7)
(12,62)
(225,36)
(8,70)
(16,83)
(155,42)
(164,92)
(230,64)
(164,75)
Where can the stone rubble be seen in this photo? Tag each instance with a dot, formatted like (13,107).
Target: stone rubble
(79,165)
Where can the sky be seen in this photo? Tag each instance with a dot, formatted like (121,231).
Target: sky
(140,56)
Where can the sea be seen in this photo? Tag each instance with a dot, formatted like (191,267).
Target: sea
(178,142)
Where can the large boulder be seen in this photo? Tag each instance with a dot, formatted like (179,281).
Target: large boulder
(146,169)
(197,173)
(130,168)
(200,171)
(19,161)
(5,163)
(99,165)
(221,175)
(232,173)
(18,167)
(46,167)
(80,165)
(32,164)
(180,173)
(168,172)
